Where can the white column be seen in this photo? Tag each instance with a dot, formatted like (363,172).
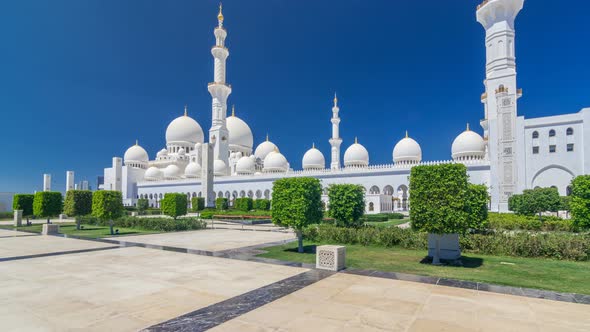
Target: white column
(335,141)
(207,174)
(220,91)
(117,174)
(46,182)
(69,180)
(500,97)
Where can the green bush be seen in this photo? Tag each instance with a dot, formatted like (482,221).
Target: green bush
(221,203)
(296,203)
(23,202)
(198,204)
(535,201)
(143,204)
(381,217)
(580,201)
(209,213)
(346,204)
(438,199)
(477,206)
(174,204)
(243,204)
(151,224)
(509,221)
(261,204)
(521,244)
(47,204)
(78,203)
(107,205)
(153,212)
(6,215)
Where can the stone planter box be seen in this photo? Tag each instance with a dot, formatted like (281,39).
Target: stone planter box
(448,246)
(18,218)
(330,257)
(50,229)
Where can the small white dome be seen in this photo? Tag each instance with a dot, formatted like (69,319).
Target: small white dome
(407,151)
(136,154)
(181,152)
(192,170)
(245,166)
(264,148)
(219,168)
(162,153)
(468,145)
(356,156)
(313,159)
(172,172)
(240,135)
(184,129)
(275,162)
(153,174)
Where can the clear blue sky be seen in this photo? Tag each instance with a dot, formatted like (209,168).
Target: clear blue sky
(81,80)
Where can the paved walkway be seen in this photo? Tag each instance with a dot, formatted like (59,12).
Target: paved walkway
(55,284)
(210,240)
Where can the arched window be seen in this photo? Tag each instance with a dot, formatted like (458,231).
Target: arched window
(535,134)
(569,131)
(551,133)
(371,206)
(568,191)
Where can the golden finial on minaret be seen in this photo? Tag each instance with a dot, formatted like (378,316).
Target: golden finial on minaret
(335,100)
(313,145)
(185,110)
(467,127)
(136,142)
(220,15)
(407,134)
(233,110)
(267,137)
(356,141)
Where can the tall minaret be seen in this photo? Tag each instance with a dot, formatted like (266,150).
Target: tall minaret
(500,97)
(219,90)
(335,141)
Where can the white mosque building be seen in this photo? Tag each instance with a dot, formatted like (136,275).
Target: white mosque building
(513,153)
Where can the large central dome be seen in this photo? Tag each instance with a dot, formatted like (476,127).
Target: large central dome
(184,129)
(240,135)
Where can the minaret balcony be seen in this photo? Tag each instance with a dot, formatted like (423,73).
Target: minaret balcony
(220,52)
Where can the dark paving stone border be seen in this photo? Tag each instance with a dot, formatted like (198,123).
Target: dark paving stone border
(57,253)
(479,286)
(218,313)
(16,235)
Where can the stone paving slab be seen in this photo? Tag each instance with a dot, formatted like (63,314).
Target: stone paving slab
(346,302)
(39,245)
(124,289)
(209,239)
(4,233)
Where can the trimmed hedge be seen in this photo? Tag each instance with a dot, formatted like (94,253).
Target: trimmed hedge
(78,203)
(346,204)
(221,203)
(107,204)
(151,224)
(380,217)
(521,244)
(198,204)
(174,204)
(243,204)
(509,221)
(261,204)
(143,204)
(209,213)
(23,202)
(47,204)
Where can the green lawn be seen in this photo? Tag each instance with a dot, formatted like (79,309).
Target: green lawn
(88,231)
(562,276)
(389,223)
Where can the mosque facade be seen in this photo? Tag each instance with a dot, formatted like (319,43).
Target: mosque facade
(513,153)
